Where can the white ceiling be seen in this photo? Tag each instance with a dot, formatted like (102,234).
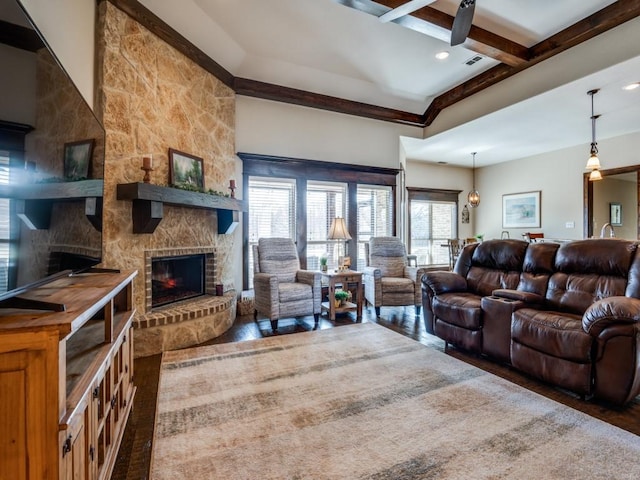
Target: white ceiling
(325,47)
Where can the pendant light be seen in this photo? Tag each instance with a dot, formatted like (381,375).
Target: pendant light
(593,163)
(473,199)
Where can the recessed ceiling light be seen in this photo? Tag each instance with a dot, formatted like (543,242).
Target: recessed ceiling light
(442,55)
(631,86)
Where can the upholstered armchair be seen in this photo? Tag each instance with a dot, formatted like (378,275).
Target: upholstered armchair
(281,288)
(388,280)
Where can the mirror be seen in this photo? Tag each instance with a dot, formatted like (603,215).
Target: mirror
(614,200)
(51,162)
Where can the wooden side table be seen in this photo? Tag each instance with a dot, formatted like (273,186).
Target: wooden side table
(347,278)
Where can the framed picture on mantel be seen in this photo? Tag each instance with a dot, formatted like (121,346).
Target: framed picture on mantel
(185,170)
(77,159)
(521,210)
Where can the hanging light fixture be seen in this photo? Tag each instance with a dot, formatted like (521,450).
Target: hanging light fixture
(473,199)
(593,163)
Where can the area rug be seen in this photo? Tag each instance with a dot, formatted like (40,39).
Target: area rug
(363,402)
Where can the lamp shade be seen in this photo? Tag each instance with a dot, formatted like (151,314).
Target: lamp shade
(594,162)
(338,230)
(595,175)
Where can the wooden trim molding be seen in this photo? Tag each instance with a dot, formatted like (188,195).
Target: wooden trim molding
(514,57)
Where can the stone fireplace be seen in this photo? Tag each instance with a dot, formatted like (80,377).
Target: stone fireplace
(152,98)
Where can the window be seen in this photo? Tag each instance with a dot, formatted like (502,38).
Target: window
(298,198)
(5,224)
(432,220)
(375,216)
(325,201)
(272,211)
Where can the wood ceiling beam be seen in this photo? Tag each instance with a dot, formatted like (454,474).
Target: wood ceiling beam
(269,91)
(609,17)
(21,37)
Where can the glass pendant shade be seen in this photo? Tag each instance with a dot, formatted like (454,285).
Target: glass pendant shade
(473,198)
(594,162)
(595,175)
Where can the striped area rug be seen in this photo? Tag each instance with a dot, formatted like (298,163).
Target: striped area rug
(363,402)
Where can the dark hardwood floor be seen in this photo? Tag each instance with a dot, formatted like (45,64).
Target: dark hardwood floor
(135,451)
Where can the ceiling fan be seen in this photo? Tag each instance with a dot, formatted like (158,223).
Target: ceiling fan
(462,22)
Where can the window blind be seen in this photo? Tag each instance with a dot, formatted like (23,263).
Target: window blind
(272,211)
(325,201)
(375,215)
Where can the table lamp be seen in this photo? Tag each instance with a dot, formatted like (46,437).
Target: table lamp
(338,231)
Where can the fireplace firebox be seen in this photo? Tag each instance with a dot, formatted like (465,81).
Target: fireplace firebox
(177,278)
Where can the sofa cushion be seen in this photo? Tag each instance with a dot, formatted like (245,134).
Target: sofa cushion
(397,285)
(553,333)
(577,291)
(292,292)
(461,309)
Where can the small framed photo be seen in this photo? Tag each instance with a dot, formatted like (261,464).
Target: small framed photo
(615,214)
(77,159)
(185,170)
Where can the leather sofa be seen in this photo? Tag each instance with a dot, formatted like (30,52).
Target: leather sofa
(566,314)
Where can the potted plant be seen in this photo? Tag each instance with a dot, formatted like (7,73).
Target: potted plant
(323,262)
(341,296)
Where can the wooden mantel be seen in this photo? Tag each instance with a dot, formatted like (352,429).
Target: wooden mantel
(34,201)
(148,201)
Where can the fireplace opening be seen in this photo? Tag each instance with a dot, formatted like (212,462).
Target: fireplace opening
(177,278)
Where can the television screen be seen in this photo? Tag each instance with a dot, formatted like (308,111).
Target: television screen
(51,162)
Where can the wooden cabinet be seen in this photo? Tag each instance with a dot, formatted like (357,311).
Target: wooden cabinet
(66,379)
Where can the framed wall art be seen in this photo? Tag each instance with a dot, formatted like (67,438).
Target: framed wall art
(185,170)
(77,159)
(521,210)
(615,214)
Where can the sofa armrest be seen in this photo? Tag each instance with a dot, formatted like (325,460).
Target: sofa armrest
(310,277)
(526,297)
(313,278)
(610,311)
(374,272)
(265,287)
(444,282)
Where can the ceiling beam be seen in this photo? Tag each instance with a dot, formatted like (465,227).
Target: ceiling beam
(269,91)
(609,17)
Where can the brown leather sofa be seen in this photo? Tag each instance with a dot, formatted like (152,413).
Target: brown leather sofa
(567,314)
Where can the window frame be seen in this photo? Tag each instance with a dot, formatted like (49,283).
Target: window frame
(431,195)
(302,170)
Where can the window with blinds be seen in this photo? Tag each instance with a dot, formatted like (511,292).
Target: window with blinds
(432,221)
(325,201)
(5,224)
(375,216)
(272,211)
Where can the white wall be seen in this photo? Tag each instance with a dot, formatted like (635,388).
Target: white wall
(559,176)
(69,29)
(280,129)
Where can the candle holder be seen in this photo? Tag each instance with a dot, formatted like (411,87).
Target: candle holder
(232,187)
(147,177)
(147,166)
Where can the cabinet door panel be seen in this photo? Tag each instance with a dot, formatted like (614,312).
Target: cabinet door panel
(22,441)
